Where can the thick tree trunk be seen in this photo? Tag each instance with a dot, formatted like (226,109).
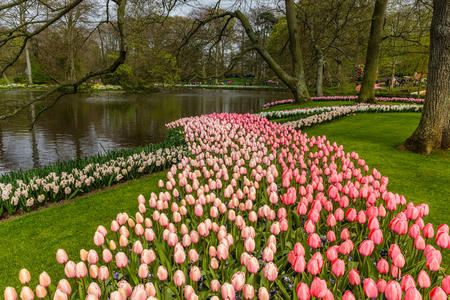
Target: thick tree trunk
(299,87)
(319,76)
(367,93)
(433,132)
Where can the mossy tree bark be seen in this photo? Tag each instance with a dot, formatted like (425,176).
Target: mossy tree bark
(433,132)
(367,92)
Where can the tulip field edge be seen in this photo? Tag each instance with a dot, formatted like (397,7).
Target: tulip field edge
(260,210)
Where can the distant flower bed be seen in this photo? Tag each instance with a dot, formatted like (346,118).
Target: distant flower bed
(278,102)
(29,189)
(259,210)
(23,86)
(379,99)
(99,86)
(343,111)
(303,112)
(347,98)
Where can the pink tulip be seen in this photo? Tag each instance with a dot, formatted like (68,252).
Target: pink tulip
(348,296)
(121,260)
(44,279)
(10,293)
(178,278)
(271,271)
(64,286)
(263,294)
(353,277)
(69,269)
(195,274)
(338,267)
(24,276)
(318,288)
(314,240)
(26,293)
(303,291)
(80,270)
(228,292)
(61,256)
(393,291)
(162,273)
(407,282)
(370,288)
(103,273)
(366,248)
(428,231)
(143,271)
(438,294)
(94,289)
(41,292)
(248,291)
(446,284)
(381,285)
(423,280)
(412,294)
(238,280)
(215,285)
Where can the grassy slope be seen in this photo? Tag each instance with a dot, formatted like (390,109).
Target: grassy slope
(31,240)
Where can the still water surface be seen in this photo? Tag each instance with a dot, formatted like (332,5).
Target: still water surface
(86,124)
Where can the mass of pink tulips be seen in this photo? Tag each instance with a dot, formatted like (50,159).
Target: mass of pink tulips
(259,210)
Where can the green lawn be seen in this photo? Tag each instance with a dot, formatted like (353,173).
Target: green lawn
(31,240)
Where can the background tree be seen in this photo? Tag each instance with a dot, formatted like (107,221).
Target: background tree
(433,132)
(367,93)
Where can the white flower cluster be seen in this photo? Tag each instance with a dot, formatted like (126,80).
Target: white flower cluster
(55,187)
(296,112)
(346,110)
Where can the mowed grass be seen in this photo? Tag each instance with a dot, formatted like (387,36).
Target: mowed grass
(31,241)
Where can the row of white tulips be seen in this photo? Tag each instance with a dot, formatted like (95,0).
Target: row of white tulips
(347,110)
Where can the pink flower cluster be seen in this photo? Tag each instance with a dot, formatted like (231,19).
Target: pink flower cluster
(260,210)
(278,102)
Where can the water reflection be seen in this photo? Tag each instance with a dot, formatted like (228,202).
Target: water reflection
(85,124)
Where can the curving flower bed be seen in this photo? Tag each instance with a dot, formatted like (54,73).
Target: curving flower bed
(27,190)
(344,111)
(347,98)
(259,210)
(375,108)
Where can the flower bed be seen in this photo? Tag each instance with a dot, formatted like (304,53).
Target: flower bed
(343,111)
(379,99)
(26,190)
(377,108)
(260,210)
(278,102)
(347,98)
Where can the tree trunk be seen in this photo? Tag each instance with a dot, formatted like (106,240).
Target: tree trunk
(298,88)
(339,76)
(319,76)
(433,132)
(295,82)
(27,57)
(391,83)
(367,93)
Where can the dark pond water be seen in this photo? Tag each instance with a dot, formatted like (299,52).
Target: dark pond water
(85,124)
